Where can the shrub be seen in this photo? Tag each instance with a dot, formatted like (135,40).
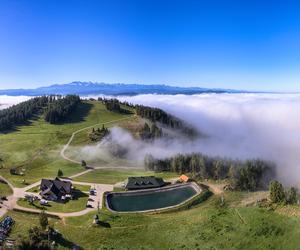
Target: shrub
(60,173)
(277,194)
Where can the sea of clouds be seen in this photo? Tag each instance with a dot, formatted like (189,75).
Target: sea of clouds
(240,126)
(265,126)
(7,101)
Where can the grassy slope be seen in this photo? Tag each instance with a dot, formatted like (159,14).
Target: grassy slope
(110,176)
(5,190)
(203,227)
(35,148)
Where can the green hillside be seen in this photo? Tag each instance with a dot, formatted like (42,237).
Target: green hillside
(206,226)
(34,149)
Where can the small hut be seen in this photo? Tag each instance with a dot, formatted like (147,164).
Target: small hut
(183,178)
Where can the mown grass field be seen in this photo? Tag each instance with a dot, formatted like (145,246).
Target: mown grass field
(5,190)
(205,226)
(34,149)
(112,176)
(78,204)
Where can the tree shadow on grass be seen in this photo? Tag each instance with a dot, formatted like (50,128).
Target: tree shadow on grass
(77,194)
(104,224)
(16,127)
(78,115)
(60,240)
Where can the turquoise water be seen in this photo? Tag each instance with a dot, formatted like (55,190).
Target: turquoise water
(129,202)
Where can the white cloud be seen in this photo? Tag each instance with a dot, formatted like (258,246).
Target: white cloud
(240,125)
(7,101)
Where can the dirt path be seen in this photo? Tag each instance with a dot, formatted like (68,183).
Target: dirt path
(253,197)
(216,188)
(62,152)
(11,202)
(95,201)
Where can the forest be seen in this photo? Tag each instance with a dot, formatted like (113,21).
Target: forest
(248,175)
(115,105)
(158,115)
(150,133)
(59,109)
(98,134)
(21,113)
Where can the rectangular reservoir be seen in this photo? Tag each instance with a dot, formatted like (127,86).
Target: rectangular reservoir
(149,200)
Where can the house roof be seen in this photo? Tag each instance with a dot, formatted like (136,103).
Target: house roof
(55,186)
(143,182)
(184,178)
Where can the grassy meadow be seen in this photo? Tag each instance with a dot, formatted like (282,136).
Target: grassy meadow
(112,176)
(205,226)
(78,204)
(34,148)
(5,190)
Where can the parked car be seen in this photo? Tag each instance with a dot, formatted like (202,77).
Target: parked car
(43,202)
(92,192)
(5,227)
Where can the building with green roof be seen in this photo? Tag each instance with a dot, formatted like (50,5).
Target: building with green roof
(144,182)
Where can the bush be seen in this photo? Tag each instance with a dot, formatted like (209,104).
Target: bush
(83,163)
(60,173)
(277,194)
(43,220)
(291,196)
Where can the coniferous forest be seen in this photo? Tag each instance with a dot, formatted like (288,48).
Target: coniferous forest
(244,175)
(21,113)
(115,105)
(158,115)
(59,110)
(55,108)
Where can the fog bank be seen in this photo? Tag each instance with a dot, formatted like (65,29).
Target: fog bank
(239,126)
(7,101)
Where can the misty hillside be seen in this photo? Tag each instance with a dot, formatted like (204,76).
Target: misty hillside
(86,88)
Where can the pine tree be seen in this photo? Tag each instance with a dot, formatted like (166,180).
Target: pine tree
(60,173)
(291,196)
(277,194)
(43,220)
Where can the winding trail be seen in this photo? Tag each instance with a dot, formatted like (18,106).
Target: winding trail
(11,202)
(62,152)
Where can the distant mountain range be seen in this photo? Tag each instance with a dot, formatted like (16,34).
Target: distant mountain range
(89,88)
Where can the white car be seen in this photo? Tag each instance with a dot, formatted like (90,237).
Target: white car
(43,202)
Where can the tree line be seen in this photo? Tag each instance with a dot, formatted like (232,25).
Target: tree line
(150,132)
(115,105)
(243,175)
(59,110)
(150,113)
(280,195)
(158,115)
(21,113)
(43,237)
(98,134)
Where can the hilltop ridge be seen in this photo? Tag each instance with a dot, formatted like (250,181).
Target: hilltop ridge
(88,88)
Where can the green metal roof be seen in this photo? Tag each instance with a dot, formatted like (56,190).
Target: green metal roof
(144,182)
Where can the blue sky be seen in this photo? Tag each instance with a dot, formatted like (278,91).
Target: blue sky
(252,45)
